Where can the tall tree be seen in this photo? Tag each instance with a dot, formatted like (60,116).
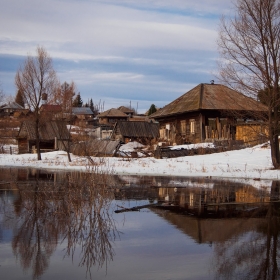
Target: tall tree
(33,79)
(1,94)
(78,102)
(249,45)
(64,95)
(152,109)
(19,98)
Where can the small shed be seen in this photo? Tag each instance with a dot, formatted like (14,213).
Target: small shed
(54,135)
(142,132)
(96,147)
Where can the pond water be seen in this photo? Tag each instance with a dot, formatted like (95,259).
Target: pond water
(59,225)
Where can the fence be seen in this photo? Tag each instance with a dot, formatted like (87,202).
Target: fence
(9,149)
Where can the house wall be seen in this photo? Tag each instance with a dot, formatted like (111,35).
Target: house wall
(23,146)
(108,120)
(196,128)
(251,134)
(184,129)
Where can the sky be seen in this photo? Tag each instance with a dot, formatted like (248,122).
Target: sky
(118,52)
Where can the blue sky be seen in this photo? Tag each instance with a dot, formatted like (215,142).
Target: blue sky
(121,52)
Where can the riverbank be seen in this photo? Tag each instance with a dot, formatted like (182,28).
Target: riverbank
(252,163)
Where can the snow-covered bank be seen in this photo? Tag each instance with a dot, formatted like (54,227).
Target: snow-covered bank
(252,163)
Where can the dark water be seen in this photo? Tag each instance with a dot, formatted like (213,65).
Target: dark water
(58,225)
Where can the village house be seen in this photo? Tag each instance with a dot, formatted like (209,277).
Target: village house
(50,111)
(82,116)
(211,112)
(127,111)
(142,132)
(11,108)
(106,122)
(111,116)
(54,135)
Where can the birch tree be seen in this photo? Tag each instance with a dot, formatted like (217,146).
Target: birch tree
(33,79)
(249,44)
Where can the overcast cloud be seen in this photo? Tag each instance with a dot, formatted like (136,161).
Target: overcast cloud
(115,51)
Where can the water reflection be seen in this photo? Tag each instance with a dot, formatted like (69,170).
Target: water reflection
(74,208)
(239,219)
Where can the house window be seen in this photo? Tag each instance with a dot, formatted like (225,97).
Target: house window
(192,126)
(183,127)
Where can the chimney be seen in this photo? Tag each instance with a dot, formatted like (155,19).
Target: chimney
(44,98)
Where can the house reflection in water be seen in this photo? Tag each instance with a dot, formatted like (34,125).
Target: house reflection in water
(204,196)
(239,219)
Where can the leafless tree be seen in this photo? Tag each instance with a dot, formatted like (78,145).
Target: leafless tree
(34,78)
(249,44)
(1,94)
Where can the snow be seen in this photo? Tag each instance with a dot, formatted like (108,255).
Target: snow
(252,164)
(130,146)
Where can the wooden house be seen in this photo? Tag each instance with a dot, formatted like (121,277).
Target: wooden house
(111,116)
(11,108)
(127,111)
(83,116)
(51,111)
(207,113)
(54,135)
(143,132)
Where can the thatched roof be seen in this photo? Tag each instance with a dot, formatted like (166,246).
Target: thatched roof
(47,131)
(112,113)
(210,97)
(138,129)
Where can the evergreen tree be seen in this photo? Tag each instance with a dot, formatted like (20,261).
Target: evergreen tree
(78,102)
(19,98)
(152,109)
(91,106)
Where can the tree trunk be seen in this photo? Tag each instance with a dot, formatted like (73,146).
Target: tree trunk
(275,151)
(37,139)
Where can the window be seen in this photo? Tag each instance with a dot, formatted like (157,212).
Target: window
(192,126)
(183,127)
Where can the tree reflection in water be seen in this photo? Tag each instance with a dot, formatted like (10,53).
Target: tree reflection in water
(75,210)
(253,256)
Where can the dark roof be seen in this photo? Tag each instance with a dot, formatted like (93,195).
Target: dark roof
(47,131)
(139,129)
(210,97)
(112,113)
(82,111)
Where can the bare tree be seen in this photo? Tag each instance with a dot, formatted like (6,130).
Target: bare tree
(35,78)
(1,94)
(63,96)
(249,45)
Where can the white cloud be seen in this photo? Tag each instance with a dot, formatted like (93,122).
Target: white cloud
(151,48)
(83,28)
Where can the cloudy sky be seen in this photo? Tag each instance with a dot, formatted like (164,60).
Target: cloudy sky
(118,52)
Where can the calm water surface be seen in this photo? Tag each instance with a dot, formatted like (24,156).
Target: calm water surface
(57,225)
